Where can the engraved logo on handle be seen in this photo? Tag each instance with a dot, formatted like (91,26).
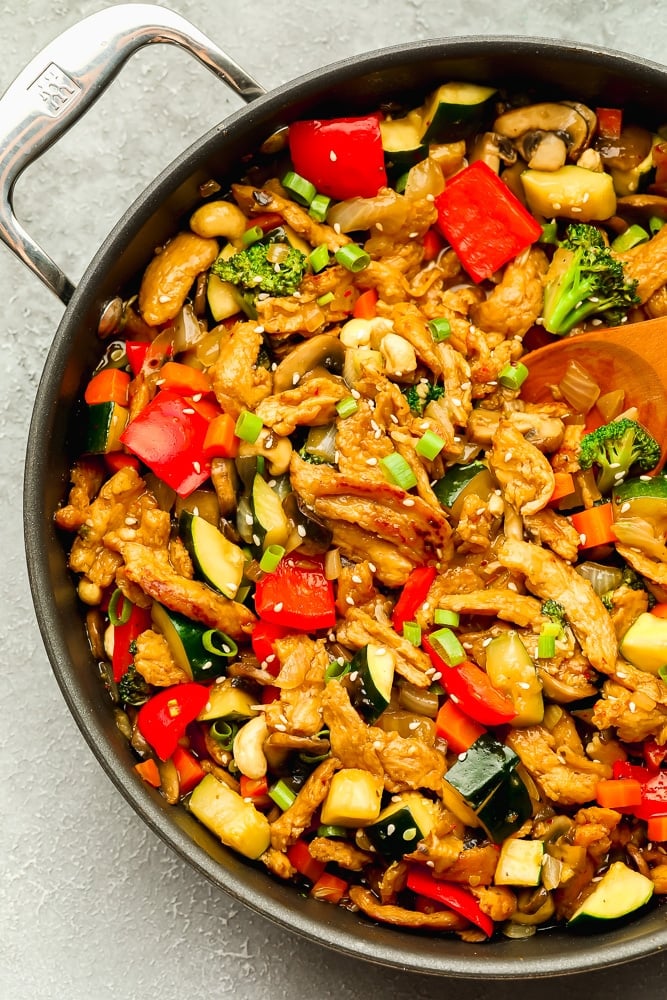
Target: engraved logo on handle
(55,90)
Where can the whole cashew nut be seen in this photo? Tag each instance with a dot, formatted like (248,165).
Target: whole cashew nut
(169,276)
(219,218)
(248,748)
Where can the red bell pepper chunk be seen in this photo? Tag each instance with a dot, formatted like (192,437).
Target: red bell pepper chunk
(654,797)
(610,122)
(624,769)
(253,788)
(163,719)
(485,223)
(451,895)
(306,865)
(412,596)
(457,728)
(136,354)
(123,637)
(264,635)
(190,771)
(471,690)
(342,157)
(654,755)
(168,436)
(297,594)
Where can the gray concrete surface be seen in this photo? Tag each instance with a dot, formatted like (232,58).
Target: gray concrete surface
(92,904)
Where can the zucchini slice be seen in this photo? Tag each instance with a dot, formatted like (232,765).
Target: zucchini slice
(620,892)
(459,481)
(480,770)
(401,825)
(645,643)
(453,110)
(506,809)
(236,822)
(104,426)
(371,678)
(185,639)
(402,142)
(570,192)
(644,498)
(520,862)
(271,524)
(512,671)
(223,298)
(353,799)
(218,561)
(228,702)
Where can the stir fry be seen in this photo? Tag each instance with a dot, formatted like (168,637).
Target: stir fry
(381,624)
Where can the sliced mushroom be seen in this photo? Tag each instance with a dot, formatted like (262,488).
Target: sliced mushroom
(642,206)
(323,350)
(570,123)
(562,692)
(492,148)
(543,150)
(628,151)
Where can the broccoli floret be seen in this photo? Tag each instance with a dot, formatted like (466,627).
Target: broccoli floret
(631,579)
(585,279)
(254,268)
(420,395)
(608,600)
(132,688)
(615,448)
(555,611)
(308,456)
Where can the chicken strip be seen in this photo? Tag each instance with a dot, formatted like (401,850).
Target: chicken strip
(289,827)
(237,380)
(526,478)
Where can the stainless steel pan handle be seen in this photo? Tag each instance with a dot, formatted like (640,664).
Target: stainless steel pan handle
(64,80)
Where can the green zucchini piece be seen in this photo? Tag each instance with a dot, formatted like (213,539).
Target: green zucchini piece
(512,671)
(223,298)
(271,525)
(620,892)
(520,862)
(217,560)
(236,822)
(185,639)
(402,143)
(401,825)
(459,481)
(454,110)
(228,702)
(480,770)
(353,799)
(644,498)
(105,422)
(371,678)
(645,643)
(506,810)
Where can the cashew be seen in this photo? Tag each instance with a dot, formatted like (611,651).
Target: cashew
(169,276)
(89,592)
(399,355)
(356,333)
(219,218)
(248,748)
(276,450)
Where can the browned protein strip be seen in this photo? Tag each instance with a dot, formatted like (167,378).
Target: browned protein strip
(398,916)
(289,827)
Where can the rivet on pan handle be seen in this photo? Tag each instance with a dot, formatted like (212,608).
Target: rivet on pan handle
(64,80)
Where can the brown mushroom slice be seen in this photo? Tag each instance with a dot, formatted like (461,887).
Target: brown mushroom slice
(562,692)
(492,148)
(642,206)
(543,150)
(323,350)
(549,116)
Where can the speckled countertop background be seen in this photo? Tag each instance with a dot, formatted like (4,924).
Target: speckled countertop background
(92,904)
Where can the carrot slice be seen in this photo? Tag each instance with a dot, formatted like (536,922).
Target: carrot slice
(563,486)
(594,526)
(183,379)
(657,828)
(220,440)
(365,306)
(619,793)
(147,769)
(111,385)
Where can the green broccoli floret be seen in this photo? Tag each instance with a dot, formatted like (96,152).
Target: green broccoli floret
(631,579)
(308,456)
(418,396)
(615,448)
(555,611)
(132,688)
(254,268)
(585,279)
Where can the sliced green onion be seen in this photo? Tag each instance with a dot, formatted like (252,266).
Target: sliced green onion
(224,732)
(271,558)
(413,633)
(443,616)
(319,258)
(126,608)
(397,471)
(346,407)
(261,462)
(248,426)
(402,182)
(440,329)
(662,673)
(429,445)
(319,207)
(340,832)
(655,224)
(513,376)
(300,189)
(336,670)
(632,237)
(451,649)
(549,233)
(215,641)
(252,236)
(282,794)
(352,257)
(325,299)
(546,646)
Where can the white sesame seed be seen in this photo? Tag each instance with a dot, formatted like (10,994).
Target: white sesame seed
(381,651)
(508,456)
(279,726)
(248,519)
(632,706)
(301,530)
(278,607)
(393,418)
(371,461)
(259,329)
(415,724)
(372,567)
(512,586)
(188,410)
(256,539)
(349,600)
(391,829)
(625,507)
(197,396)
(332,156)
(413,236)
(295,378)
(356,578)
(582,538)
(408,502)
(336,227)
(436,675)
(197,467)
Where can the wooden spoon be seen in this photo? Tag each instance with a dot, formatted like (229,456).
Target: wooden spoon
(632,358)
